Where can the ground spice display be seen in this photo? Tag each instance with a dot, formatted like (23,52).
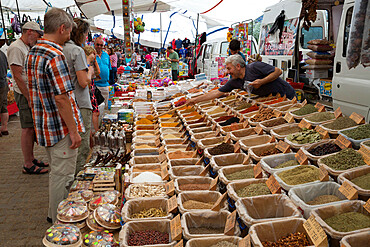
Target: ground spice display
(206,230)
(194,118)
(250,109)
(170,136)
(223,148)
(224,244)
(270,151)
(244,174)
(144,146)
(242,105)
(263,114)
(149,213)
(230,121)
(191,114)
(348,222)
(169,124)
(228,98)
(324,149)
(358,133)
(223,118)
(297,239)
(180,155)
(321,117)
(148,237)
(144,154)
(362,181)
(272,123)
(275,101)
(300,175)
(305,136)
(324,199)
(194,187)
(253,190)
(144,121)
(147,134)
(307,109)
(193,204)
(166,116)
(340,123)
(287,131)
(216,110)
(344,159)
(287,164)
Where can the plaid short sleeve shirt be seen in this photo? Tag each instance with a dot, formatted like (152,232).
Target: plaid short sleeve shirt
(48,76)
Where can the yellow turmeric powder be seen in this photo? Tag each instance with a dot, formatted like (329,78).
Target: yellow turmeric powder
(166,116)
(169,124)
(144,121)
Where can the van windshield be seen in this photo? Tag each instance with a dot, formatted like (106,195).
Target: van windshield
(312,33)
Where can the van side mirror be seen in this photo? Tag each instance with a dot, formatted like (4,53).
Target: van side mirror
(338,67)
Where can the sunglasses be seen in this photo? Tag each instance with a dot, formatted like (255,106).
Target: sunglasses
(100,45)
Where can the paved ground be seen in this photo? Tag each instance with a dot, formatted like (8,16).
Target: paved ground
(23,197)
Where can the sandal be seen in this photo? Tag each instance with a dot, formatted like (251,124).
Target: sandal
(39,163)
(34,170)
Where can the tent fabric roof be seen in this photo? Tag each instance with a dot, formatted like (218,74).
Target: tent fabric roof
(35,5)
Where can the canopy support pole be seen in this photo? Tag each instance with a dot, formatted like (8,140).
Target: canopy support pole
(160,26)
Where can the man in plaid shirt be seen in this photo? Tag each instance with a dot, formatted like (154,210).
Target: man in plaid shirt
(57,119)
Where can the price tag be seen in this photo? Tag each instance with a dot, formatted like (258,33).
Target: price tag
(213,184)
(367,206)
(258,171)
(246,160)
(180,244)
(315,232)
(304,102)
(323,174)
(176,230)
(365,154)
(228,138)
(289,118)
(304,124)
(218,132)
(343,142)
(338,113)
(348,191)
(283,147)
(272,140)
(161,149)
(245,124)
(320,107)
(219,202)
(199,162)
(324,133)
(258,129)
(170,188)
(277,113)
(230,224)
(172,204)
(237,147)
(273,185)
(204,172)
(294,100)
(164,171)
(162,158)
(301,157)
(359,119)
(245,242)
(157,142)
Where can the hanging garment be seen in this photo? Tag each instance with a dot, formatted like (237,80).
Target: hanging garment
(278,24)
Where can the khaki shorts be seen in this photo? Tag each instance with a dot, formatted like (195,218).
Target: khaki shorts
(25,112)
(4,99)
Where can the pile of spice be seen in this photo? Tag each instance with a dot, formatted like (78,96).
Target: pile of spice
(288,130)
(230,97)
(300,175)
(169,124)
(223,118)
(224,244)
(223,148)
(297,239)
(324,199)
(324,149)
(144,121)
(180,155)
(359,133)
(263,114)
(276,122)
(321,117)
(144,146)
(287,164)
(149,213)
(166,116)
(281,99)
(347,222)
(344,159)
(242,105)
(147,237)
(170,136)
(253,190)
(340,123)
(250,109)
(305,136)
(146,134)
(206,230)
(144,154)
(271,151)
(193,204)
(307,109)
(215,110)
(362,181)
(230,121)
(244,174)
(194,187)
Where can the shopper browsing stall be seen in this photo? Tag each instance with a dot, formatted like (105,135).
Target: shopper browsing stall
(263,79)
(174,58)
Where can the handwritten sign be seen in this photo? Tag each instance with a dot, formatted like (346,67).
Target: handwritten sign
(301,157)
(164,171)
(180,244)
(359,119)
(230,224)
(367,205)
(323,174)
(258,129)
(273,185)
(324,133)
(338,113)
(170,188)
(218,204)
(257,170)
(315,232)
(172,204)
(237,147)
(304,102)
(289,118)
(343,142)
(320,107)
(176,230)
(348,191)
(304,124)
(272,140)
(213,184)
(245,242)
(277,113)
(283,147)
(365,152)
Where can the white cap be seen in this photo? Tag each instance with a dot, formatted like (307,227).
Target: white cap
(31,25)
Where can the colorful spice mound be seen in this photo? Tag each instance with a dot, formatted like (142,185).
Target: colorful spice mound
(230,121)
(348,222)
(300,175)
(275,101)
(253,190)
(224,244)
(307,109)
(170,136)
(324,199)
(297,239)
(345,159)
(144,121)
(223,148)
(250,109)
(263,114)
(287,164)
(362,181)
(244,174)
(288,130)
(148,237)
(206,230)
(340,123)
(359,133)
(276,122)
(270,151)
(148,213)
(324,149)
(193,204)
(321,117)
(144,146)
(304,137)
(194,186)
(242,105)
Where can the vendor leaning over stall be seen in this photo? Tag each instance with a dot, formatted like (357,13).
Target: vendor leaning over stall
(263,77)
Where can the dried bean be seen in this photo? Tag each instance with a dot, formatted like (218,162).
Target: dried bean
(297,239)
(148,237)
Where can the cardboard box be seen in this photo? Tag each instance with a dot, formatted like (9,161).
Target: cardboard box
(317,73)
